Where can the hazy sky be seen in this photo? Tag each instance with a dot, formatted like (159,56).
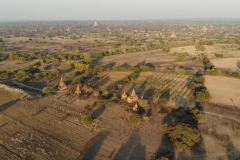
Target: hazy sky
(12,10)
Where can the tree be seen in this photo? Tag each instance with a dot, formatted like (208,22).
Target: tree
(182,135)
(48,90)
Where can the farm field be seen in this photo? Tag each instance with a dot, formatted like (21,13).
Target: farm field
(232,64)
(223,90)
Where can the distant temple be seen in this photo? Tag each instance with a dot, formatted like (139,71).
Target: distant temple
(95,24)
(62,86)
(78,90)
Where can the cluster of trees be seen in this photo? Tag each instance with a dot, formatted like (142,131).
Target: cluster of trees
(210,43)
(182,56)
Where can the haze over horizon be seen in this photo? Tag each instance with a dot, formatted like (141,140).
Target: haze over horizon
(25,10)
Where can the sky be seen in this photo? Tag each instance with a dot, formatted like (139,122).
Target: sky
(27,10)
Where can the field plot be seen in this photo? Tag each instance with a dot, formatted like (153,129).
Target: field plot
(224,90)
(171,87)
(230,64)
(156,57)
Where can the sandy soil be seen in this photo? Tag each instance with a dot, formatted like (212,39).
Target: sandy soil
(227,63)
(224,90)
(155,57)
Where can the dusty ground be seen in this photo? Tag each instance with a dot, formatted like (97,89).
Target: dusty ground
(231,64)
(224,90)
(155,57)
(227,50)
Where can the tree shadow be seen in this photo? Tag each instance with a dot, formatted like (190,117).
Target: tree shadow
(7,105)
(198,151)
(98,111)
(166,148)
(92,147)
(101,82)
(110,65)
(149,93)
(232,152)
(132,149)
(126,65)
(166,94)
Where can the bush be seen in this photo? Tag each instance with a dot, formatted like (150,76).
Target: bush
(110,104)
(21,76)
(99,68)
(162,115)
(200,47)
(126,79)
(179,59)
(216,71)
(191,85)
(48,90)
(162,102)
(87,120)
(71,74)
(134,119)
(132,77)
(202,96)
(200,79)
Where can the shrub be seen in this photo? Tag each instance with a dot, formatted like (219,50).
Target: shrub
(179,59)
(162,115)
(99,68)
(38,75)
(48,90)
(143,104)
(21,76)
(200,47)
(136,69)
(87,109)
(191,85)
(162,102)
(200,79)
(87,89)
(87,120)
(134,119)
(71,74)
(145,68)
(126,79)
(216,71)
(202,96)
(110,104)
(132,77)
(219,55)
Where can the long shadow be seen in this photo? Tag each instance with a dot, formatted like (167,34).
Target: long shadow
(232,152)
(198,151)
(132,149)
(166,94)
(110,65)
(7,105)
(101,82)
(166,148)
(98,111)
(92,147)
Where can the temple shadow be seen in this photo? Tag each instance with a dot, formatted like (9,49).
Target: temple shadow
(132,149)
(91,148)
(98,111)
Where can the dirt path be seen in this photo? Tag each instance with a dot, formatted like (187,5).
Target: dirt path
(221,116)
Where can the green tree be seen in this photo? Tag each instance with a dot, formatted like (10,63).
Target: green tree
(48,90)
